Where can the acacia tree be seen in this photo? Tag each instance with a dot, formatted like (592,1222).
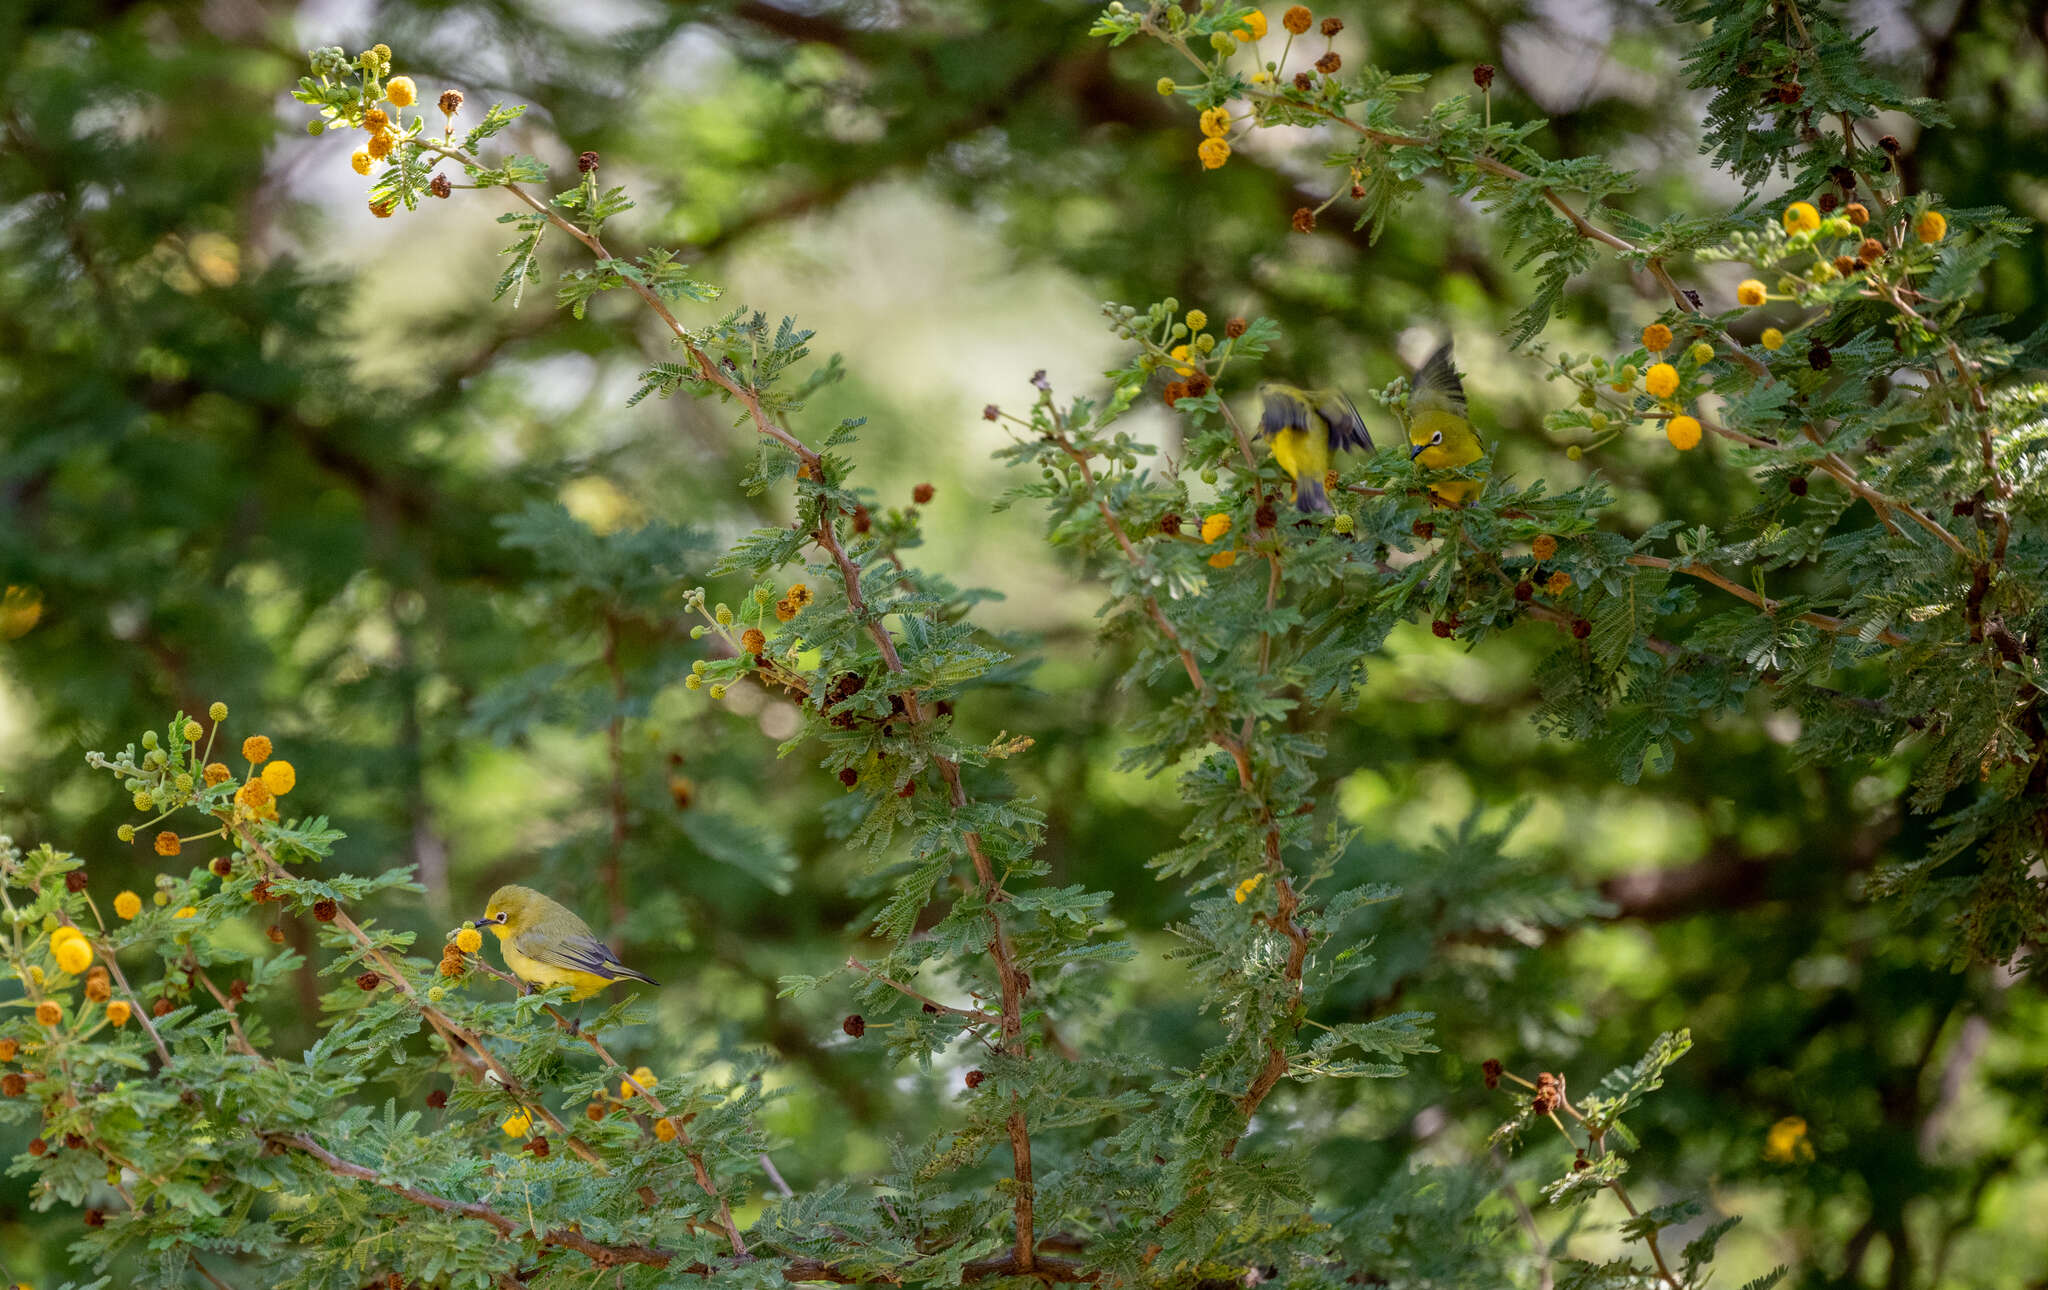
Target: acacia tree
(1883,584)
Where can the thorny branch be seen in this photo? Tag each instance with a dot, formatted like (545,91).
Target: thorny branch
(824,534)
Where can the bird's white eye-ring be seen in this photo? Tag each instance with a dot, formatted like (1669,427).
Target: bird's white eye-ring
(1438,437)
(501,915)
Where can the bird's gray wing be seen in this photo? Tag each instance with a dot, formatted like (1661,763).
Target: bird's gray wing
(1437,387)
(1347,428)
(578,954)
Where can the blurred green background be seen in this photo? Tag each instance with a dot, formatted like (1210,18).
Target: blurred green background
(257,445)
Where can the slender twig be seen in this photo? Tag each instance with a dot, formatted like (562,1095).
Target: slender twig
(234,1023)
(972,1014)
(1707,573)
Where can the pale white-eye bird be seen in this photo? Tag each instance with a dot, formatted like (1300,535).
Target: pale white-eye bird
(1305,427)
(1440,433)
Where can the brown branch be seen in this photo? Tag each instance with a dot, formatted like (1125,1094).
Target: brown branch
(1707,573)
(234,1023)
(600,1255)
(973,1014)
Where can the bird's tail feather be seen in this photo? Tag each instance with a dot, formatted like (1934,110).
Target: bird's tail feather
(1309,496)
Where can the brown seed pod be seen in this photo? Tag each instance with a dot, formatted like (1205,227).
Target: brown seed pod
(74,882)
(855,1025)
(325,910)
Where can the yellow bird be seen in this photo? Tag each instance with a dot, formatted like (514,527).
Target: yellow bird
(544,944)
(1440,434)
(1305,427)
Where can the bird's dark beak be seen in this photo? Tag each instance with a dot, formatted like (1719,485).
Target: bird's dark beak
(1416,451)
(481,923)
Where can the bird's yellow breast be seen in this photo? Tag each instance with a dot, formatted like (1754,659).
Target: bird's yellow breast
(1300,452)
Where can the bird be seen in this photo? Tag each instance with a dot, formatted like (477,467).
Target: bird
(1440,435)
(1305,427)
(547,945)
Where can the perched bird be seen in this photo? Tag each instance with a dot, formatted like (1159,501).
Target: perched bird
(1305,427)
(546,945)
(1439,433)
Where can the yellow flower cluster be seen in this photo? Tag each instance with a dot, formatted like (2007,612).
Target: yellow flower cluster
(1215,526)
(71,950)
(641,1076)
(469,940)
(1247,887)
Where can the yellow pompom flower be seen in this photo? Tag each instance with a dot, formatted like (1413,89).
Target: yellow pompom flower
(1683,432)
(49,1012)
(665,1129)
(192,731)
(187,911)
(1661,380)
(1932,226)
(518,1124)
(1247,887)
(380,143)
(401,91)
(218,712)
(1772,338)
(167,843)
(1197,320)
(469,940)
(360,159)
(1179,354)
(1558,584)
(641,1076)
(118,1012)
(1801,217)
(1543,547)
(1215,526)
(1213,152)
(1251,27)
(1216,122)
(1750,292)
(127,904)
(73,955)
(143,801)
(1656,338)
(256,749)
(1165,85)
(1702,353)
(280,778)
(1223,559)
